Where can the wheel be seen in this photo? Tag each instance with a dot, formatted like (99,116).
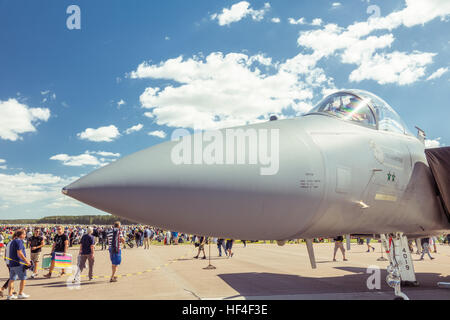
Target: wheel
(399,298)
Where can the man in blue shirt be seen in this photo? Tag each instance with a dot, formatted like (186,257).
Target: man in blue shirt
(87,249)
(17,262)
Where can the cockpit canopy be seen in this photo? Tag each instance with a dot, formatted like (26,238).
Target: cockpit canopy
(363,108)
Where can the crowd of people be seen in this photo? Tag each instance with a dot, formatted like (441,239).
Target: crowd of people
(15,240)
(424,248)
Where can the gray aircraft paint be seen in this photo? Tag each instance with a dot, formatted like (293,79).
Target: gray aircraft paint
(327,167)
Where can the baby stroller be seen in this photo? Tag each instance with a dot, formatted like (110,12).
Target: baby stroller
(77,240)
(129,241)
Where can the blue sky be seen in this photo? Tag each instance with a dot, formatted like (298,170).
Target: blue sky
(67,97)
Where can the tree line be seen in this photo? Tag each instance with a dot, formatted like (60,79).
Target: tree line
(71,220)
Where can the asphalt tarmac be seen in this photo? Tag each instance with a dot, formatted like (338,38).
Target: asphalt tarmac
(258,271)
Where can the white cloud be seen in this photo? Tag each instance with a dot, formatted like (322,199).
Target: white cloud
(77,161)
(167,38)
(17,118)
(48,95)
(396,67)
(102,134)
(275,20)
(416,12)
(105,154)
(354,45)
(86,159)
(300,64)
(299,21)
(438,73)
(325,42)
(239,11)
(336,4)
(120,103)
(63,202)
(316,22)
(228,90)
(432,143)
(2,164)
(224,90)
(2,161)
(22,188)
(28,188)
(420,12)
(158,133)
(135,128)
(363,50)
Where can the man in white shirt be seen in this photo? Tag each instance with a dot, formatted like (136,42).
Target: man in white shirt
(147,235)
(168,236)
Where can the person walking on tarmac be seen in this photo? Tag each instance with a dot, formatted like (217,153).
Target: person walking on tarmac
(425,248)
(368,245)
(36,244)
(229,246)
(17,261)
(115,252)
(60,245)
(86,253)
(220,245)
(339,244)
(201,247)
(6,258)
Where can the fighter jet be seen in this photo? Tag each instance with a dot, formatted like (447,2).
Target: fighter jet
(348,166)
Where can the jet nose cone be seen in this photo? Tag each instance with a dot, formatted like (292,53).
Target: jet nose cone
(134,187)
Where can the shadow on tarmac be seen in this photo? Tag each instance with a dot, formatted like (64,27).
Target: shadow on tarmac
(272,284)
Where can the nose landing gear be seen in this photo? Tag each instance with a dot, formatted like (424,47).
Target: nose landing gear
(401,269)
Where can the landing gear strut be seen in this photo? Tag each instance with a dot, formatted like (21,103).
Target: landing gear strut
(401,269)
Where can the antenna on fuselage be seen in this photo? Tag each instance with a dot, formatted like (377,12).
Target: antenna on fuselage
(421,134)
